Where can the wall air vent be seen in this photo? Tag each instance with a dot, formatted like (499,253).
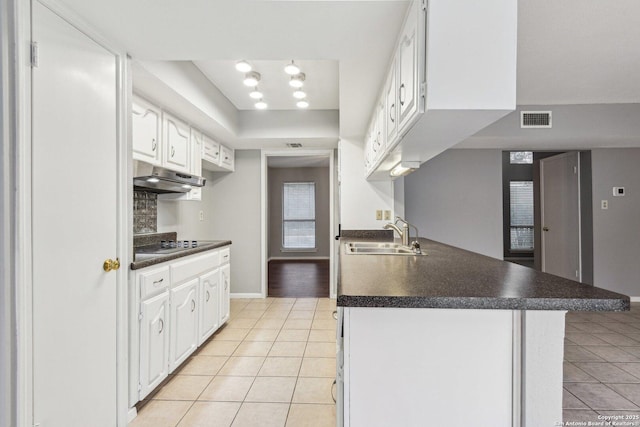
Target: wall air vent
(294,145)
(535,119)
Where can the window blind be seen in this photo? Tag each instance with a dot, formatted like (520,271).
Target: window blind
(521,213)
(299,215)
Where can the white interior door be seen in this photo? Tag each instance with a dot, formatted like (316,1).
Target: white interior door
(560,214)
(74,202)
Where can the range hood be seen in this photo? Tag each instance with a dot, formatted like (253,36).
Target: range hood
(156,179)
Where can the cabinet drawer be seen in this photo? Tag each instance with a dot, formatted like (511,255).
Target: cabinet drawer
(225,256)
(192,267)
(210,150)
(154,282)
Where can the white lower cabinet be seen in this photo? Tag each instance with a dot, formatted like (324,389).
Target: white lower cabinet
(225,292)
(154,342)
(209,304)
(184,322)
(180,304)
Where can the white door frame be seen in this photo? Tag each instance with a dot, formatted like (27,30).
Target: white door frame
(264,226)
(24,280)
(542,222)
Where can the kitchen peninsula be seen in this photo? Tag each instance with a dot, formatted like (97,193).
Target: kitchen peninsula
(453,338)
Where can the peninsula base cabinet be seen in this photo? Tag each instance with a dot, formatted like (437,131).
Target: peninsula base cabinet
(180,304)
(459,367)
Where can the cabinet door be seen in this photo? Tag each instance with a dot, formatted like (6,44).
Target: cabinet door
(391,110)
(227,158)
(145,131)
(176,144)
(196,152)
(154,342)
(225,292)
(209,304)
(381,136)
(408,69)
(184,322)
(210,150)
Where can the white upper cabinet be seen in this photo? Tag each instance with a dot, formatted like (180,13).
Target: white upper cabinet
(146,131)
(210,151)
(176,143)
(437,93)
(217,157)
(408,70)
(391,108)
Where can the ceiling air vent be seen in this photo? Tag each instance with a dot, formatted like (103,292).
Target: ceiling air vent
(294,145)
(535,119)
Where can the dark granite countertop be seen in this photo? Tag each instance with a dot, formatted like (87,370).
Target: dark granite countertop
(449,277)
(202,247)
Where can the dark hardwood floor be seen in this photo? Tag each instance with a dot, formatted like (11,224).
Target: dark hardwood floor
(298,278)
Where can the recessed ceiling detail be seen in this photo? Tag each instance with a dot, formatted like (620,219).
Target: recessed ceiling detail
(319,88)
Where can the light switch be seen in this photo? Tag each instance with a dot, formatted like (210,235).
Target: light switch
(379,215)
(604,204)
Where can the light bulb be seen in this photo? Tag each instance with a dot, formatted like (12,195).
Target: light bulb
(297,81)
(255,94)
(299,94)
(243,66)
(292,69)
(251,79)
(261,105)
(302,104)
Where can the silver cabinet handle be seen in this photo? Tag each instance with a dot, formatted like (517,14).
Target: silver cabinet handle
(161,326)
(208,296)
(226,284)
(391,114)
(154,144)
(193,305)
(401,94)
(173,151)
(157,282)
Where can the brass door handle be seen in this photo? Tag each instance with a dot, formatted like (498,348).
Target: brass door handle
(545,228)
(111,264)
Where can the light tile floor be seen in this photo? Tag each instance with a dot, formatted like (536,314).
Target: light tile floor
(272,364)
(602,366)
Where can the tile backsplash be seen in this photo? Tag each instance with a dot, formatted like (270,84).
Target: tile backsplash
(145,212)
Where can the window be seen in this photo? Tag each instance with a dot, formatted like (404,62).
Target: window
(521,157)
(521,209)
(299,215)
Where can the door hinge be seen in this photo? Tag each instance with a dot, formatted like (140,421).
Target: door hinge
(424,4)
(577,273)
(423,89)
(575,170)
(34,54)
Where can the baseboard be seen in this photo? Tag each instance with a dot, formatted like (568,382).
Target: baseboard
(246,295)
(133,412)
(296,258)
(634,299)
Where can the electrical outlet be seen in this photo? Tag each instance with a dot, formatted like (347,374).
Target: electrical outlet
(379,215)
(604,204)
(201,216)
(387,215)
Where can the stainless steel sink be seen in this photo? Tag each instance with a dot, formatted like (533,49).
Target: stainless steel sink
(374,248)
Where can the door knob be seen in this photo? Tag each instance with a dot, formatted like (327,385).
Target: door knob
(545,228)
(111,264)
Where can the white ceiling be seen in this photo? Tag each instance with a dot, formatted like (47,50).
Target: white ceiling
(570,52)
(321,83)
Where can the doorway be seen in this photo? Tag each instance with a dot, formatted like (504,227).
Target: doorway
(568,207)
(298,224)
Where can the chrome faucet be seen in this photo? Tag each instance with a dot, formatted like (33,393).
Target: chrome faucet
(405,234)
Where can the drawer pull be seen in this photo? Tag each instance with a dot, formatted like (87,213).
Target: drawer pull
(161,326)
(193,305)
(208,296)
(157,282)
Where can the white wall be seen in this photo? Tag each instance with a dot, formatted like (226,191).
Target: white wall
(359,199)
(456,198)
(616,231)
(231,207)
